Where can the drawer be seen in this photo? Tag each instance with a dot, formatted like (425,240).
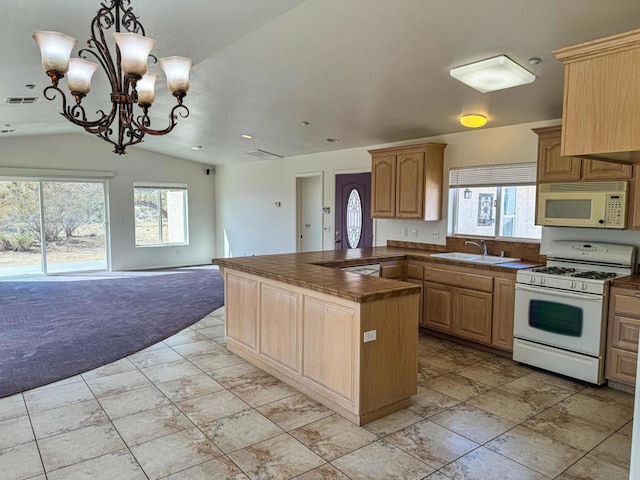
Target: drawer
(624,333)
(415,271)
(393,271)
(459,279)
(621,366)
(627,305)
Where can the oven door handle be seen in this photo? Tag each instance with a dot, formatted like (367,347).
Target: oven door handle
(560,293)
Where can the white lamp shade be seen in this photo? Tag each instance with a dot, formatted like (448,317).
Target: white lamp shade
(55,48)
(145,88)
(79,75)
(492,74)
(134,52)
(177,71)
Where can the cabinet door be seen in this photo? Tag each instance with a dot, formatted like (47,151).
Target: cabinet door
(410,185)
(597,170)
(622,366)
(551,166)
(633,207)
(242,309)
(438,307)
(503,307)
(279,325)
(383,186)
(472,314)
(420,303)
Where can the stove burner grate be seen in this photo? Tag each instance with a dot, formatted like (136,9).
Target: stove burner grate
(594,275)
(554,270)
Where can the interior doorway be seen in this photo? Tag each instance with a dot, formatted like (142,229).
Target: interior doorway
(52,226)
(309,212)
(353,222)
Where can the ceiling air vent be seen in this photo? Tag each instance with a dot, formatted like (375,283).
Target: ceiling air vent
(264,155)
(17,100)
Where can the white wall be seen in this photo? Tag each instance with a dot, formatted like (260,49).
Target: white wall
(82,152)
(310,213)
(245,193)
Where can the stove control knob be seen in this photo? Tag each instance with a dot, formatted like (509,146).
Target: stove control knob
(583,286)
(542,281)
(573,285)
(532,279)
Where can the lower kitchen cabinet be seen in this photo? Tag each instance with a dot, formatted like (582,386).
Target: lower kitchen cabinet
(622,338)
(470,303)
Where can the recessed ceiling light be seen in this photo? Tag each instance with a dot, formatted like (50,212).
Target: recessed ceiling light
(492,74)
(30,86)
(196,147)
(473,120)
(247,136)
(332,140)
(305,124)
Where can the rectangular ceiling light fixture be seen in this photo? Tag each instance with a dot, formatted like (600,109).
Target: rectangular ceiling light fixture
(264,155)
(496,73)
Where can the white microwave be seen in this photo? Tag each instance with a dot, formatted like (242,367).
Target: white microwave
(584,204)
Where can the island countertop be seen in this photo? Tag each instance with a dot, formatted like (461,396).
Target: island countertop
(316,270)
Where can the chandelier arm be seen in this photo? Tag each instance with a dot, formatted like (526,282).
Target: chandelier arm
(50,93)
(143,122)
(104,19)
(128,20)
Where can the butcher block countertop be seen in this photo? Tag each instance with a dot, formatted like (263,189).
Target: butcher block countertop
(317,270)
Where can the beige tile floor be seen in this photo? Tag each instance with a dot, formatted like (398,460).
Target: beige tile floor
(187,409)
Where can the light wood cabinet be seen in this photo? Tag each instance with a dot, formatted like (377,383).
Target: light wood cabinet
(415,275)
(438,307)
(383,186)
(504,294)
(469,303)
(406,182)
(622,338)
(601,107)
(552,167)
(315,343)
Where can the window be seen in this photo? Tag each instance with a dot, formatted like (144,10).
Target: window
(160,214)
(494,201)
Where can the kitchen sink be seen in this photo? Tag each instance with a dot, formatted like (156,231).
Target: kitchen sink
(474,258)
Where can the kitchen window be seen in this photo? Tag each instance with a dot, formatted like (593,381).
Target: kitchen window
(494,201)
(160,214)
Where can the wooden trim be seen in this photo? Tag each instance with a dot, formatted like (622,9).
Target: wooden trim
(409,148)
(597,48)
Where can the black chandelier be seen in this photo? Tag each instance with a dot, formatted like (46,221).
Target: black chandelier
(128,77)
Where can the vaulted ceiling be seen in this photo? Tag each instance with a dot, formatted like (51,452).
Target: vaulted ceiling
(364,72)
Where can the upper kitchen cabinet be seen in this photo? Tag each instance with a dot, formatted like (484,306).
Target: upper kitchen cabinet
(553,167)
(601,110)
(407,181)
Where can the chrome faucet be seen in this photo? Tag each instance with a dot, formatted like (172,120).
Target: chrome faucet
(482,247)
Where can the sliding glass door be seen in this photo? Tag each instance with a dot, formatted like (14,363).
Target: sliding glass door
(52,227)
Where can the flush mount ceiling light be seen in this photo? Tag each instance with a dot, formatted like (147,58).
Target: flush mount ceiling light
(247,136)
(473,120)
(126,70)
(492,74)
(196,147)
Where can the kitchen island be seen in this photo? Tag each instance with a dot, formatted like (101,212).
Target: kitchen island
(302,319)
(306,323)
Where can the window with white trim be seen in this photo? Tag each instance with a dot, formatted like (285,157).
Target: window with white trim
(160,214)
(494,201)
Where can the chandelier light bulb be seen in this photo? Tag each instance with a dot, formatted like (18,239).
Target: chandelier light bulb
(177,71)
(146,89)
(79,76)
(55,48)
(134,52)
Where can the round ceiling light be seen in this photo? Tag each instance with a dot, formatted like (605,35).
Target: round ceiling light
(473,120)
(247,136)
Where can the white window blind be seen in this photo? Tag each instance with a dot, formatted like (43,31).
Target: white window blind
(505,175)
(161,185)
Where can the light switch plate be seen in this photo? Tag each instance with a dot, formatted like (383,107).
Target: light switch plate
(370,336)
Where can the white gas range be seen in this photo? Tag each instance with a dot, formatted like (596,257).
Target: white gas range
(561,308)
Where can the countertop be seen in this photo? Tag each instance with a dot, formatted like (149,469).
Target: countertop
(313,270)
(632,282)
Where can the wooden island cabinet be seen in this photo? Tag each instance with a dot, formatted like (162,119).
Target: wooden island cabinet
(315,343)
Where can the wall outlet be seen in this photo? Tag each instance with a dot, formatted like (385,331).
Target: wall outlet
(415,232)
(370,336)
(435,234)
(405,232)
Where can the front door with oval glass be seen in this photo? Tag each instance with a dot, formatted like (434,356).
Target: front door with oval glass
(354,225)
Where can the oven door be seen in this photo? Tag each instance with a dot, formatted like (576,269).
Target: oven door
(569,320)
